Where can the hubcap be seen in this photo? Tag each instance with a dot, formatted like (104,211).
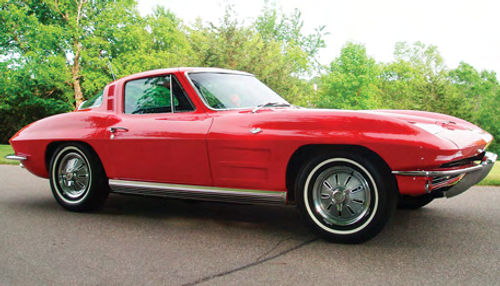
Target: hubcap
(73,174)
(341,196)
(338,197)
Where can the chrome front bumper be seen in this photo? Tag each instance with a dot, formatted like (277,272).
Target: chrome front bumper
(455,181)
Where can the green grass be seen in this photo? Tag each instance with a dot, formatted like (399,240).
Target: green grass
(6,150)
(493,178)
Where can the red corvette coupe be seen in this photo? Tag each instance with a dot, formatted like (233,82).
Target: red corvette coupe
(222,135)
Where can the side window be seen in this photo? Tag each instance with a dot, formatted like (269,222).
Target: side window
(154,95)
(148,95)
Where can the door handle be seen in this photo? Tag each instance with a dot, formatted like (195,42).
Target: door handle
(117,128)
(114,129)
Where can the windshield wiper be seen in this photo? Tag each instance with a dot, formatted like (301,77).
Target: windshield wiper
(271,104)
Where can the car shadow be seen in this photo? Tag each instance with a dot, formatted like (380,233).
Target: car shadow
(408,228)
(282,218)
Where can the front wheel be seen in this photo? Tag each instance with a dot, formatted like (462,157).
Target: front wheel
(346,197)
(77,178)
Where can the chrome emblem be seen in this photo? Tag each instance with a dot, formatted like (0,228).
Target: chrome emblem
(255,130)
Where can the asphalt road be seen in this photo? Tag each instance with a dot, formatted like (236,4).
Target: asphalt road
(145,241)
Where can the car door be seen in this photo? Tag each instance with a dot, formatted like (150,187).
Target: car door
(161,137)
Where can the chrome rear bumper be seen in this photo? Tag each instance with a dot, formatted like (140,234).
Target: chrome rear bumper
(455,181)
(15,157)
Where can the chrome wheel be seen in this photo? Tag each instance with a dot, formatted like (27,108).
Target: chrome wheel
(346,196)
(341,196)
(77,177)
(73,174)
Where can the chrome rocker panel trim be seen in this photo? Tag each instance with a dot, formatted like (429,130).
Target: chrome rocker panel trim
(470,176)
(197,192)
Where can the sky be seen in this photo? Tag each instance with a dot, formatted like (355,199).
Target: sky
(462,30)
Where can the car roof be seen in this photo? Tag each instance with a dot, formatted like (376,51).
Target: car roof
(182,69)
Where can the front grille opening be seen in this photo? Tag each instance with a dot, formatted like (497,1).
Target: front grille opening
(441,179)
(463,162)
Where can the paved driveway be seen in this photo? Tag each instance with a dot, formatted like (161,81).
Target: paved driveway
(144,241)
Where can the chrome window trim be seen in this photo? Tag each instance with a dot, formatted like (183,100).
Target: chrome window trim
(171,94)
(184,93)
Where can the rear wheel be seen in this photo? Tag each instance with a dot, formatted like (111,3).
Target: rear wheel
(345,196)
(413,203)
(77,178)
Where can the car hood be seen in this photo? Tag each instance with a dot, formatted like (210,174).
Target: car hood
(457,132)
(460,132)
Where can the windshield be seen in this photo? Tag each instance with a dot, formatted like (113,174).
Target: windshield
(228,91)
(93,102)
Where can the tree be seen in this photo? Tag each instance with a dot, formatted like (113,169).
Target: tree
(276,59)
(59,32)
(351,81)
(43,46)
(479,95)
(417,79)
(302,49)
(131,43)
(33,73)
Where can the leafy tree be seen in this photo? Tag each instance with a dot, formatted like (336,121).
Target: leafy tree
(417,79)
(158,41)
(479,94)
(278,60)
(33,73)
(351,81)
(302,49)
(67,35)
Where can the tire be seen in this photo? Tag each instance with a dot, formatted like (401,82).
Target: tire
(413,203)
(77,178)
(345,196)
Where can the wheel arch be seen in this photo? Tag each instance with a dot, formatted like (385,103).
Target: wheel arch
(306,152)
(52,147)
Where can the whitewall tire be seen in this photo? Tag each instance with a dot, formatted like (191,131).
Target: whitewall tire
(345,196)
(77,178)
